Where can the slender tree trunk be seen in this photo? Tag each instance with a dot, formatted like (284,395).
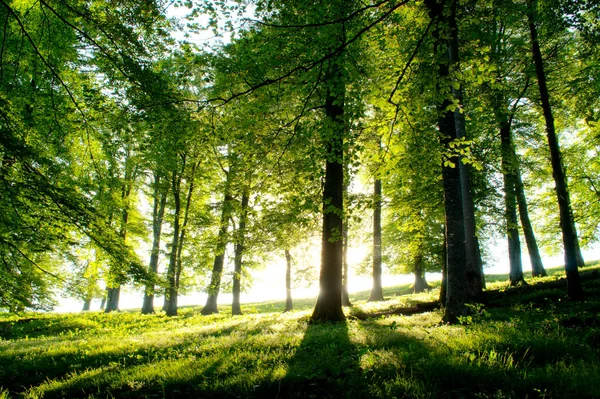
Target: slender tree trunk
(329,302)
(236,308)
(509,167)
(103,302)
(456,280)
(377,289)
(114,288)
(345,293)
(171,292)
(567,224)
(510,207)
(183,229)
(289,304)
(158,213)
(345,242)
(215,282)
(537,267)
(420,281)
(444,282)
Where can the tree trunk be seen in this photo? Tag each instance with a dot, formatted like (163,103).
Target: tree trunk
(345,229)
(329,302)
(158,213)
(377,289)
(215,281)
(569,234)
(537,267)
(456,280)
(474,265)
(420,281)
(114,290)
(509,167)
(183,229)
(236,308)
(444,282)
(112,299)
(289,305)
(103,302)
(87,303)
(170,305)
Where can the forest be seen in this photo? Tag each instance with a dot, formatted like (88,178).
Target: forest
(176,154)
(175,146)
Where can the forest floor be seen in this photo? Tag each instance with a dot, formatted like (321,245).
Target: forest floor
(528,343)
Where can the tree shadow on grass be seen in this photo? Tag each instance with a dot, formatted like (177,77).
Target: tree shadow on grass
(325,365)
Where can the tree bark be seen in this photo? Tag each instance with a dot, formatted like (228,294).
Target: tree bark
(236,308)
(329,302)
(509,167)
(567,224)
(289,304)
(444,282)
(377,288)
(456,274)
(345,229)
(87,303)
(112,299)
(420,281)
(215,282)
(158,213)
(170,305)
(474,265)
(537,267)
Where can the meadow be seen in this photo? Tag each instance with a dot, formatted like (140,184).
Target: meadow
(522,343)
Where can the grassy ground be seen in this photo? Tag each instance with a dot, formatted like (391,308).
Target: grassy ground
(536,345)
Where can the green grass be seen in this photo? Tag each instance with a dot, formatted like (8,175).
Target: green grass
(534,346)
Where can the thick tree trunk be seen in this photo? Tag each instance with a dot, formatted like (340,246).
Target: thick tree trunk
(456,280)
(158,213)
(377,288)
(112,299)
(87,303)
(215,282)
(236,308)
(329,302)
(420,281)
(569,234)
(289,305)
(474,265)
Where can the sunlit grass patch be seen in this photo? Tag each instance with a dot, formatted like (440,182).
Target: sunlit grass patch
(534,344)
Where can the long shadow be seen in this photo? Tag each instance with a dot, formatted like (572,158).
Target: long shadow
(325,365)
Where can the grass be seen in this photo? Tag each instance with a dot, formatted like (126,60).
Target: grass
(537,345)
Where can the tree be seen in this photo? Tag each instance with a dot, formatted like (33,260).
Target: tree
(570,241)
